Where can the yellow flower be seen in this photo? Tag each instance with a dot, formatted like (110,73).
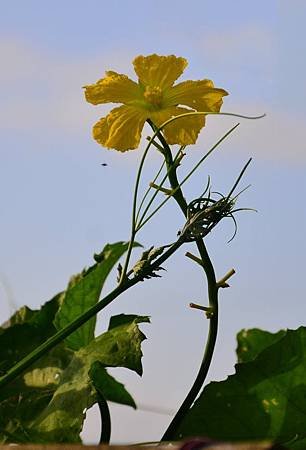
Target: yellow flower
(154,97)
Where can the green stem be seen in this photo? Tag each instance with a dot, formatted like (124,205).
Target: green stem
(148,191)
(143,222)
(133,227)
(208,352)
(105,420)
(206,113)
(171,169)
(134,213)
(212,295)
(28,360)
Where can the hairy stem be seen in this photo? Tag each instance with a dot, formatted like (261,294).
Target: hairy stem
(212,295)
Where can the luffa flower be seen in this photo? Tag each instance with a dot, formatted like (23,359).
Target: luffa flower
(154,97)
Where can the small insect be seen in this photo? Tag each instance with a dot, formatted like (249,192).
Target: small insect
(104,164)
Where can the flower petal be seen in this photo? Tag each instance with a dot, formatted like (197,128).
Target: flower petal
(120,129)
(200,95)
(183,131)
(114,88)
(161,71)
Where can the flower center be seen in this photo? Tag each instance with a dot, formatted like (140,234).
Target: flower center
(153,95)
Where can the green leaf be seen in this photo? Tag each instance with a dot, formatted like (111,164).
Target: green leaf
(16,414)
(123,319)
(24,314)
(121,327)
(264,399)
(23,401)
(25,331)
(252,342)
(108,387)
(62,419)
(28,394)
(300,444)
(83,291)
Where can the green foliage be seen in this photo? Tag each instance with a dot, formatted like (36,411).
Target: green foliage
(264,399)
(62,419)
(26,330)
(83,291)
(48,402)
(28,395)
(110,388)
(252,342)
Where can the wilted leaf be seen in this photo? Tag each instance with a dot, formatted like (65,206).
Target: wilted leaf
(23,400)
(62,419)
(83,291)
(265,399)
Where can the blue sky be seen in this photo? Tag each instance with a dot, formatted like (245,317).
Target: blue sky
(59,205)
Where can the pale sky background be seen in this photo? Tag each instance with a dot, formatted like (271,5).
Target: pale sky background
(59,205)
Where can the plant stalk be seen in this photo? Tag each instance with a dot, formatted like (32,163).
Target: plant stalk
(145,220)
(212,296)
(105,420)
(28,360)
